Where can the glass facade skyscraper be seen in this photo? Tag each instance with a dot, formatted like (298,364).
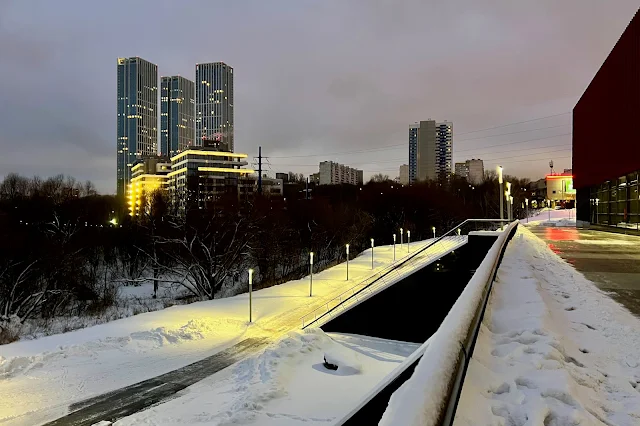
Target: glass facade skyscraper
(177,115)
(214,103)
(137,116)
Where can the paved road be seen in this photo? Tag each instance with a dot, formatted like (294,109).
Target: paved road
(611,261)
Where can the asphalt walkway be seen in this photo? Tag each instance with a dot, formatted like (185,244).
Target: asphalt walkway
(611,261)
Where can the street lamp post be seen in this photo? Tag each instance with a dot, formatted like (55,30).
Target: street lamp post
(347,262)
(401,238)
(433,229)
(549,209)
(408,239)
(526,203)
(311,276)
(508,195)
(250,291)
(372,253)
(511,206)
(499,170)
(394,247)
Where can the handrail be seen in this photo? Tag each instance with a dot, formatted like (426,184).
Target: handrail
(316,315)
(455,388)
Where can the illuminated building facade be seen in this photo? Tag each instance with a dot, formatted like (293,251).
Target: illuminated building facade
(177,114)
(148,175)
(137,116)
(560,188)
(606,138)
(214,103)
(202,175)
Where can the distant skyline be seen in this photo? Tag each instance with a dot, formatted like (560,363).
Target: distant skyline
(334,78)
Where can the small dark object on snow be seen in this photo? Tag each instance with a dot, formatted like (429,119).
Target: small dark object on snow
(328,365)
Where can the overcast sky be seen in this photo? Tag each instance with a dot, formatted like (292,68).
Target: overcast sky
(311,77)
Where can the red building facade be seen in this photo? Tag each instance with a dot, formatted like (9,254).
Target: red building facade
(606,137)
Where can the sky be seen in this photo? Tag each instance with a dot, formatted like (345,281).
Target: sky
(314,80)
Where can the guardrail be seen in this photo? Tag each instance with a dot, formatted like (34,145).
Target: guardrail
(430,396)
(392,272)
(466,351)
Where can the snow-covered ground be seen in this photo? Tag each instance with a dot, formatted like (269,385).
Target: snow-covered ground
(285,384)
(553,349)
(551,217)
(40,378)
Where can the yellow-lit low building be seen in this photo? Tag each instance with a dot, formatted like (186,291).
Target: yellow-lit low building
(149,175)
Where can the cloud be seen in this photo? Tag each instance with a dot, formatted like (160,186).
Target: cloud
(310,77)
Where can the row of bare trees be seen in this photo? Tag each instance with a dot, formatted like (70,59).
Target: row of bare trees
(61,256)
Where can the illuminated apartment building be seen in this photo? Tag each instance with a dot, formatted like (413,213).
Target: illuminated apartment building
(148,175)
(204,174)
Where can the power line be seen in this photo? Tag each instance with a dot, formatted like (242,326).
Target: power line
(395,160)
(456,152)
(503,162)
(513,143)
(489,159)
(513,124)
(511,133)
(384,148)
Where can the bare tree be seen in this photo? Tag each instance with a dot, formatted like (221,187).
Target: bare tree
(379,177)
(205,254)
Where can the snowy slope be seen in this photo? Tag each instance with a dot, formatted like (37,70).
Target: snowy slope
(550,217)
(285,384)
(553,349)
(40,378)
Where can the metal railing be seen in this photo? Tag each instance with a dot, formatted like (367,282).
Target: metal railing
(467,347)
(434,250)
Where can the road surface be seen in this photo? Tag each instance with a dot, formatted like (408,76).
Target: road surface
(611,261)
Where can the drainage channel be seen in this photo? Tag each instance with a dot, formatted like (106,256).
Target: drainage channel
(410,310)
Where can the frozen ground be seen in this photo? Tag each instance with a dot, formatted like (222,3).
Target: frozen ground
(286,384)
(40,378)
(553,349)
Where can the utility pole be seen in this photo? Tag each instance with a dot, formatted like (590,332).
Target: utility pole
(306,189)
(260,170)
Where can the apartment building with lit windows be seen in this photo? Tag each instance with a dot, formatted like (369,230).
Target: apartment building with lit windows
(202,175)
(137,116)
(177,114)
(430,150)
(331,173)
(149,175)
(214,103)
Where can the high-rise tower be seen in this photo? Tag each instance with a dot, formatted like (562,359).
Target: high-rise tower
(137,116)
(214,103)
(430,150)
(177,115)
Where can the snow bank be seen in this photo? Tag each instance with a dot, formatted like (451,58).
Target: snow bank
(553,349)
(420,399)
(136,342)
(550,217)
(39,378)
(285,384)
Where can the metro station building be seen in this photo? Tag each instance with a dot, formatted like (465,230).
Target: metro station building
(606,138)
